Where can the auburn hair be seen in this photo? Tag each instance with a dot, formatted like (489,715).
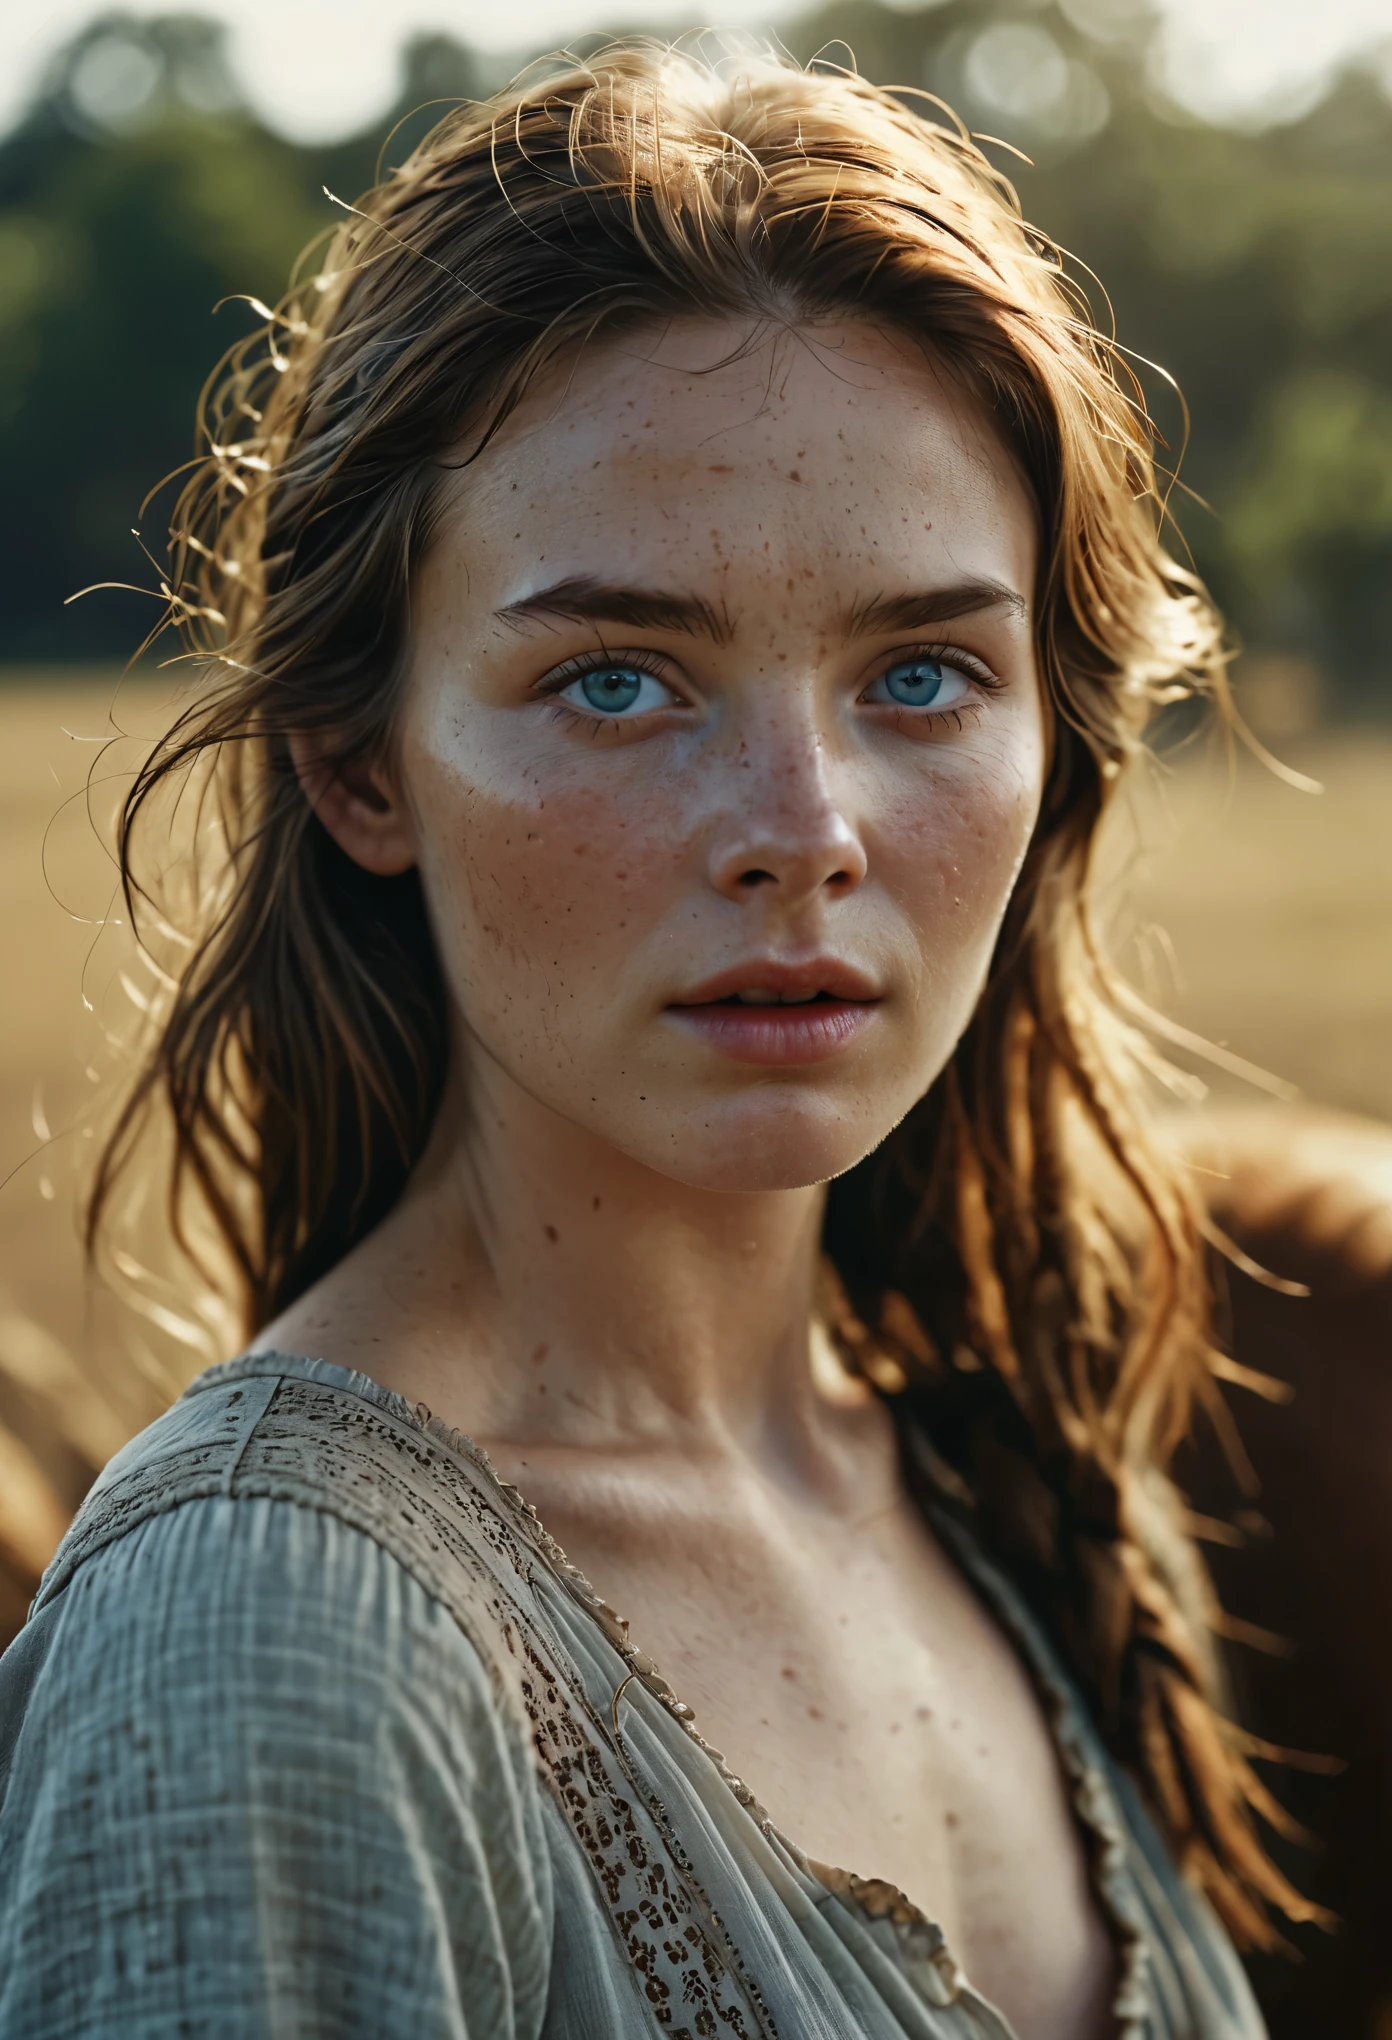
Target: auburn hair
(1019,1263)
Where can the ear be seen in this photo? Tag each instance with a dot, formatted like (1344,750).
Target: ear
(358,805)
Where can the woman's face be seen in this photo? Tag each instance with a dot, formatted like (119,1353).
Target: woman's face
(722,743)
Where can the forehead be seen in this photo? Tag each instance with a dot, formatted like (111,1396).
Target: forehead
(700,451)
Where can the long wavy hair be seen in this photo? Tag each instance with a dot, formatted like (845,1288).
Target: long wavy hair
(1018,1263)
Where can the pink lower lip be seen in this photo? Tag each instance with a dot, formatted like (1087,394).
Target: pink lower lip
(777,1034)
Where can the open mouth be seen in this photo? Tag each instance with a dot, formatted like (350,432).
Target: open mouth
(801,1022)
(761,998)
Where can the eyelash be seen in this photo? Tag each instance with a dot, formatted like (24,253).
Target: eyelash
(575,668)
(594,662)
(946,655)
(655,664)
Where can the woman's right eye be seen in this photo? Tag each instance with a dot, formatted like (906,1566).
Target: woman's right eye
(617,689)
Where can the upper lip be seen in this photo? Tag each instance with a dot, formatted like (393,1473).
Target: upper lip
(790,980)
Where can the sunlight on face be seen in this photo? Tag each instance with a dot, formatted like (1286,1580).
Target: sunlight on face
(723,743)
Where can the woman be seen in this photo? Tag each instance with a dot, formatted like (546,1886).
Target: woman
(678,589)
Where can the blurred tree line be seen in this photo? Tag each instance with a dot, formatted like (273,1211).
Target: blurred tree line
(1255,267)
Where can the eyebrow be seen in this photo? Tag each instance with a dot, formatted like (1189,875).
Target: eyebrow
(920,611)
(584,599)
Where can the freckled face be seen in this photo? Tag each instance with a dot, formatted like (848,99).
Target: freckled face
(722,744)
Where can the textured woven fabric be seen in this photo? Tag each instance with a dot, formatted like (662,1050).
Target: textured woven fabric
(314,1731)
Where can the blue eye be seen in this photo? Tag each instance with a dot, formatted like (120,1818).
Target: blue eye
(616,690)
(919,683)
(612,689)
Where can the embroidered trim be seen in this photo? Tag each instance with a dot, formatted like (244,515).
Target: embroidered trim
(317,1437)
(346,1446)
(924,1940)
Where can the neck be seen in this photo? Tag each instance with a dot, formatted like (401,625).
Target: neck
(595,1301)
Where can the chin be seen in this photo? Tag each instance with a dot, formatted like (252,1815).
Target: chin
(775,1139)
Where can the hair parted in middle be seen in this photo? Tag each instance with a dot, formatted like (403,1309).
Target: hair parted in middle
(1019,1264)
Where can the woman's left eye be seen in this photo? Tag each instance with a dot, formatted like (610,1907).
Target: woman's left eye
(617,690)
(920,683)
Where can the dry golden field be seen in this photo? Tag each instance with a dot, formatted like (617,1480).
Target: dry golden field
(68,1391)
(1276,907)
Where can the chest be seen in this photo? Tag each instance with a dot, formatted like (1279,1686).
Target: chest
(884,1721)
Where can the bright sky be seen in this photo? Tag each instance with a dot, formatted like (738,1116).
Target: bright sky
(317,68)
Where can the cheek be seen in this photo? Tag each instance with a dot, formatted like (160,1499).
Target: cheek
(952,858)
(539,893)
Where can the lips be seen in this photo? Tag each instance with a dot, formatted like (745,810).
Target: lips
(765,982)
(779,1014)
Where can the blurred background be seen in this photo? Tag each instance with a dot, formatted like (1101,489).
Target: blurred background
(1223,166)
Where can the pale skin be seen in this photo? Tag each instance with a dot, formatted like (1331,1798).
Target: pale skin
(803,583)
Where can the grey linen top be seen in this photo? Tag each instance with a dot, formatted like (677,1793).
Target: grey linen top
(314,1731)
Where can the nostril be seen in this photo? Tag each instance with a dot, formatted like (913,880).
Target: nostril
(752,878)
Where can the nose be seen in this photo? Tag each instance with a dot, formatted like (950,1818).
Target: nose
(788,837)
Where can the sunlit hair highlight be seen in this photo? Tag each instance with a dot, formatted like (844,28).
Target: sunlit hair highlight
(1019,1263)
